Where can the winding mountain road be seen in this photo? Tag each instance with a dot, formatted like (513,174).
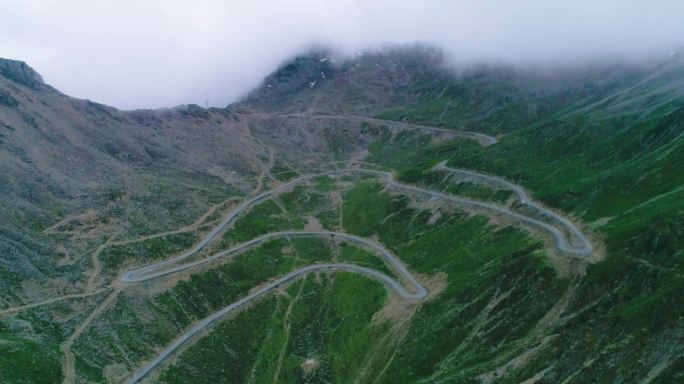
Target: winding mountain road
(418,292)
(562,244)
(585,248)
(159,269)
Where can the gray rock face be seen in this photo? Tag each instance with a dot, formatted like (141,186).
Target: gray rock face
(20,72)
(7,100)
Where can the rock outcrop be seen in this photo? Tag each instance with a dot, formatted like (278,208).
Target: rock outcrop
(22,73)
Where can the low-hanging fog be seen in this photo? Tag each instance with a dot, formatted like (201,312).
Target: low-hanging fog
(156,53)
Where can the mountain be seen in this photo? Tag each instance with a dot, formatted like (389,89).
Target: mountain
(90,192)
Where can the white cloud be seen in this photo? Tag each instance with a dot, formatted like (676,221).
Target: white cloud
(149,53)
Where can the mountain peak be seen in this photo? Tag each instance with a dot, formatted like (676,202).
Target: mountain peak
(22,73)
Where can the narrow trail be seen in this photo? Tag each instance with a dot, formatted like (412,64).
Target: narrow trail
(69,358)
(97,267)
(266,172)
(8,311)
(91,287)
(53,228)
(286,328)
(479,137)
(260,356)
(197,224)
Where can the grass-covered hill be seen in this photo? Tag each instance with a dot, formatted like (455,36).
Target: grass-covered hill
(88,191)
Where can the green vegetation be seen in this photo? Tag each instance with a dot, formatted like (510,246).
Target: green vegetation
(322,330)
(22,358)
(304,201)
(365,207)
(283,172)
(471,103)
(597,171)
(618,166)
(352,254)
(473,256)
(478,192)
(226,355)
(310,250)
(442,181)
(405,150)
(289,211)
(261,219)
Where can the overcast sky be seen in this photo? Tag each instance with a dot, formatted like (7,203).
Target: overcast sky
(146,53)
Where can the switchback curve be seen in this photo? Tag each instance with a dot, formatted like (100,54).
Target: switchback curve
(158,269)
